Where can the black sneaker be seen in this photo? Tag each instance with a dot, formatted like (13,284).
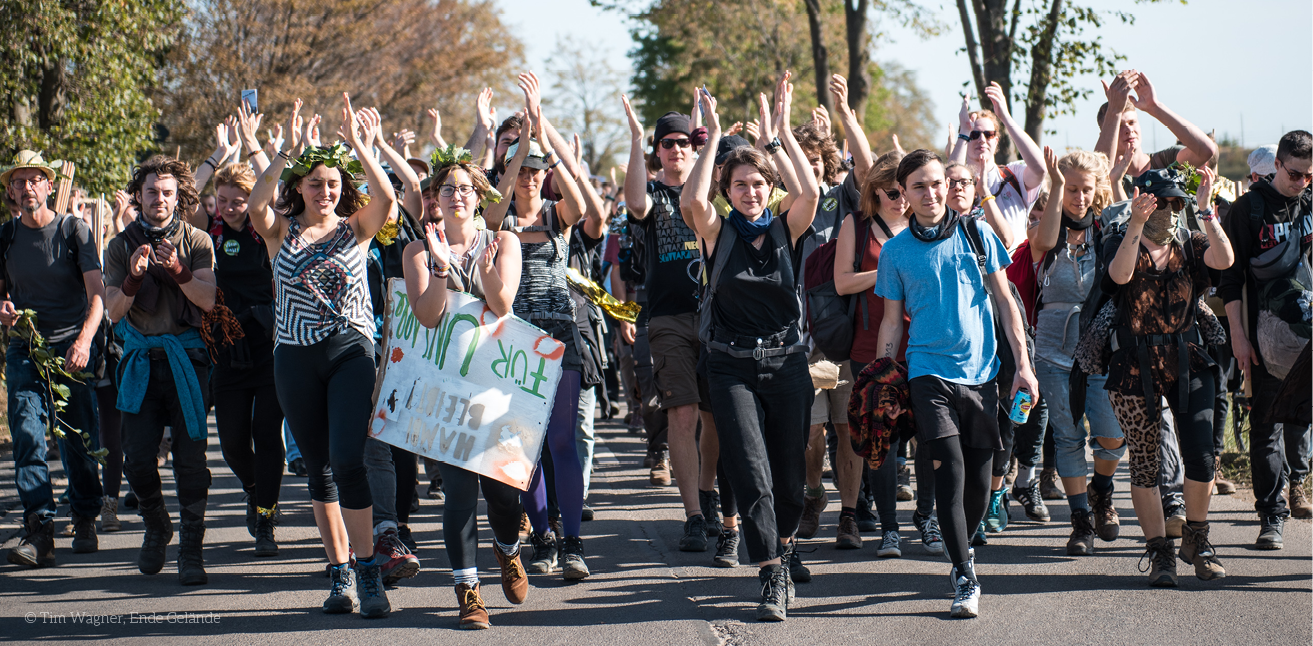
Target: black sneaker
(130,501)
(695,535)
(586,514)
(573,567)
(979,539)
(709,501)
(544,559)
(297,468)
(342,596)
(434,491)
(774,604)
(265,543)
(1081,542)
(866,521)
(404,535)
(1032,501)
(798,572)
(251,513)
(727,548)
(1269,533)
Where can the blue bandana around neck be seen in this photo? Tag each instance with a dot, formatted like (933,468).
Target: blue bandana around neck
(747,229)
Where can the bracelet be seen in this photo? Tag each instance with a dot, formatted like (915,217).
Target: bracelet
(773,146)
(284,155)
(986,199)
(558,163)
(210,164)
(1207,215)
(963,137)
(441,273)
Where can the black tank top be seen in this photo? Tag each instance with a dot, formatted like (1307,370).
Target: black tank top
(757,295)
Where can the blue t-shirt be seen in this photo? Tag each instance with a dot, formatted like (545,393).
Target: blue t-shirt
(951,335)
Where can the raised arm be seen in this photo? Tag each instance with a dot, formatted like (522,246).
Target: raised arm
(1118,172)
(361,131)
(436,135)
(636,197)
(226,136)
(1026,147)
(483,123)
(248,125)
(958,154)
(1049,223)
(495,213)
(259,206)
(994,217)
(1198,147)
(595,220)
(852,129)
(1118,94)
(770,131)
(803,209)
(694,202)
(1219,255)
(1122,267)
(410,198)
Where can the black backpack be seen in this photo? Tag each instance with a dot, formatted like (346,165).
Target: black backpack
(831,317)
(633,253)
(1007,369)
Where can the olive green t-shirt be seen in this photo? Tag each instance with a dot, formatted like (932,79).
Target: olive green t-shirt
(195,251)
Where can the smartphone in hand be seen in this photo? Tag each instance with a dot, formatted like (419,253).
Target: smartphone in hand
(251,98)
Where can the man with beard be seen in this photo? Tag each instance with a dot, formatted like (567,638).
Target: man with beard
(159,277)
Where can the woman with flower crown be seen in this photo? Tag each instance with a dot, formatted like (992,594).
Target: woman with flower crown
(316,235)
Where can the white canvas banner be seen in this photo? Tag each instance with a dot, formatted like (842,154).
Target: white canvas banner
(475,392)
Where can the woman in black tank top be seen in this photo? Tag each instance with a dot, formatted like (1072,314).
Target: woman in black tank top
(457,255)
(544,300)
(761,391)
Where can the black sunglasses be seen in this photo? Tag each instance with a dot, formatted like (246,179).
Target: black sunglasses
(892,194)
(671,143)
(1296,176)
(1175,203)
(987,134)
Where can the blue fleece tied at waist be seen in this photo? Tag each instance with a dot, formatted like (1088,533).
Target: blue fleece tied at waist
(135,373)
(748,229)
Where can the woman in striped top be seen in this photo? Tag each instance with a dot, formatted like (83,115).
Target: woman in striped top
(316,236)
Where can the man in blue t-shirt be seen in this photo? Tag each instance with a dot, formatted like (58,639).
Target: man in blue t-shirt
(931,270)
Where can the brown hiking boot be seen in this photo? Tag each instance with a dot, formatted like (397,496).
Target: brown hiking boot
(84,534)
(1221,486)
(1175,520)
(473,614)
(849,537)
(1196,550)
(109,515)
(1107,524)
(1300,507)
(1162,562)
(1050,485)
(660,475)
(811,515)
(514,582)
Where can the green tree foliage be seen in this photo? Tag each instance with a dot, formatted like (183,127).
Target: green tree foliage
(73,81)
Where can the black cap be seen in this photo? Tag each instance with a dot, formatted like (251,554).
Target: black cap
(671,122)
(1161,182)
(728,144)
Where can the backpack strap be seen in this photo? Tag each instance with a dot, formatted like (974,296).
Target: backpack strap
(1009,178)
(6,241)
(864,226)
(978,247)
(724,241)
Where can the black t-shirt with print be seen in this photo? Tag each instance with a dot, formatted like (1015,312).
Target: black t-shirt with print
(43,270)
(674,261)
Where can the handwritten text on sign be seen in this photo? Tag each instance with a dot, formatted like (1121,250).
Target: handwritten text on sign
(475,392)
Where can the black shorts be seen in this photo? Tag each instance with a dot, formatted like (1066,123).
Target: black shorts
(945,409)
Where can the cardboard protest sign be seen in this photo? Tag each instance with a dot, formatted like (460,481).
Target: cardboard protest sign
(475,392)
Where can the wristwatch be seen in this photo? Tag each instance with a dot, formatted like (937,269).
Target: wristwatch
(773,146)
(1207,214)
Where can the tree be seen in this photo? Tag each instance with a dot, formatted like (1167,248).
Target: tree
(586,99)
(402,57)
(898,106)
(74,79)
(1052,47)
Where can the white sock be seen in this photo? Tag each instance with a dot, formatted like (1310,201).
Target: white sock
(468,576)
(1025,475)
(508,549)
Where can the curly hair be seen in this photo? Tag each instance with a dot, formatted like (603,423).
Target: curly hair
(814,142)
(1095,164)
(988,114)
(881,177)
(161,166)
(746,156)
(477,177)
(238,174)
(290,203)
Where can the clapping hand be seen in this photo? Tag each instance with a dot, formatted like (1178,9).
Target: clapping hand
(438,249)
(1142,206)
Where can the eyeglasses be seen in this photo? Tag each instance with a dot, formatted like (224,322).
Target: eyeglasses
(448,190)
(987,134)
(1296,176)
(964,183)
(1175,203)
(671,143)
(892,194)
(21,183)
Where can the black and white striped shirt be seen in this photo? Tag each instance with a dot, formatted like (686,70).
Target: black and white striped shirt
(321,287)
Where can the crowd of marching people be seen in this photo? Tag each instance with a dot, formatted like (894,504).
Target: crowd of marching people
(802,299)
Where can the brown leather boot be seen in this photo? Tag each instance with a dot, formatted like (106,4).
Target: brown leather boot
(473,614)
(514,582)
(37,548)
(1300,507)
(1198,551)
(811,515)
(1221,486)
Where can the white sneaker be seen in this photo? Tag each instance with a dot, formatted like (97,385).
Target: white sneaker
(966,603)
(889,545)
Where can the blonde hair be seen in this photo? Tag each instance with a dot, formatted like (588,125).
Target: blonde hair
(238,174)
(1097,165)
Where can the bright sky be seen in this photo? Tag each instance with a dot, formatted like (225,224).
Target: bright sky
(1246,72)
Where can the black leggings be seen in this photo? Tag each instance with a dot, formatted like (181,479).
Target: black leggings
(111,439)
(460,513)
(250,425)
(961,491)
(1026,441)
(407,469)
(325,391)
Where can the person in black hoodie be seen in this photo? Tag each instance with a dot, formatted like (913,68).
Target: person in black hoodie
(1265,226)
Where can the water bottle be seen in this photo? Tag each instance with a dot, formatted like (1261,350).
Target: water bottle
(1021,406)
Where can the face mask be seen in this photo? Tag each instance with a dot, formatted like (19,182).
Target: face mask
(1161,226)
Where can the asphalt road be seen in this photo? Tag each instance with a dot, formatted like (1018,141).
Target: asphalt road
(644,591)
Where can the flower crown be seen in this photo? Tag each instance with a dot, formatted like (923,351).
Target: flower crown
(452,155)
(335,156)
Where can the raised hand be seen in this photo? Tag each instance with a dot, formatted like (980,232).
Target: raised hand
(764,116)
(995,94)
(528,83)
(371,126)
(635,126)
(311,134)
(1145,100)
(438,249)
(436,135)
(822,118)
(293,143)
(1204,196)
(275,140)
(964,114)
(1051,161)
(1123,164)
(1119,92)
(786,100)
(897,146)
(403,139)
(223,135)
(708,104)
(248,126)
(1142,206)
(578,152)
(483,109)
(839,91)
(350,128)
(752,130)
(122,202)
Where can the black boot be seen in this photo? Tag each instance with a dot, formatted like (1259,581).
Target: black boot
(159,531)
(265,545)
(191,566)
(37,549)
(84,535)
(709,501)
(774,604)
